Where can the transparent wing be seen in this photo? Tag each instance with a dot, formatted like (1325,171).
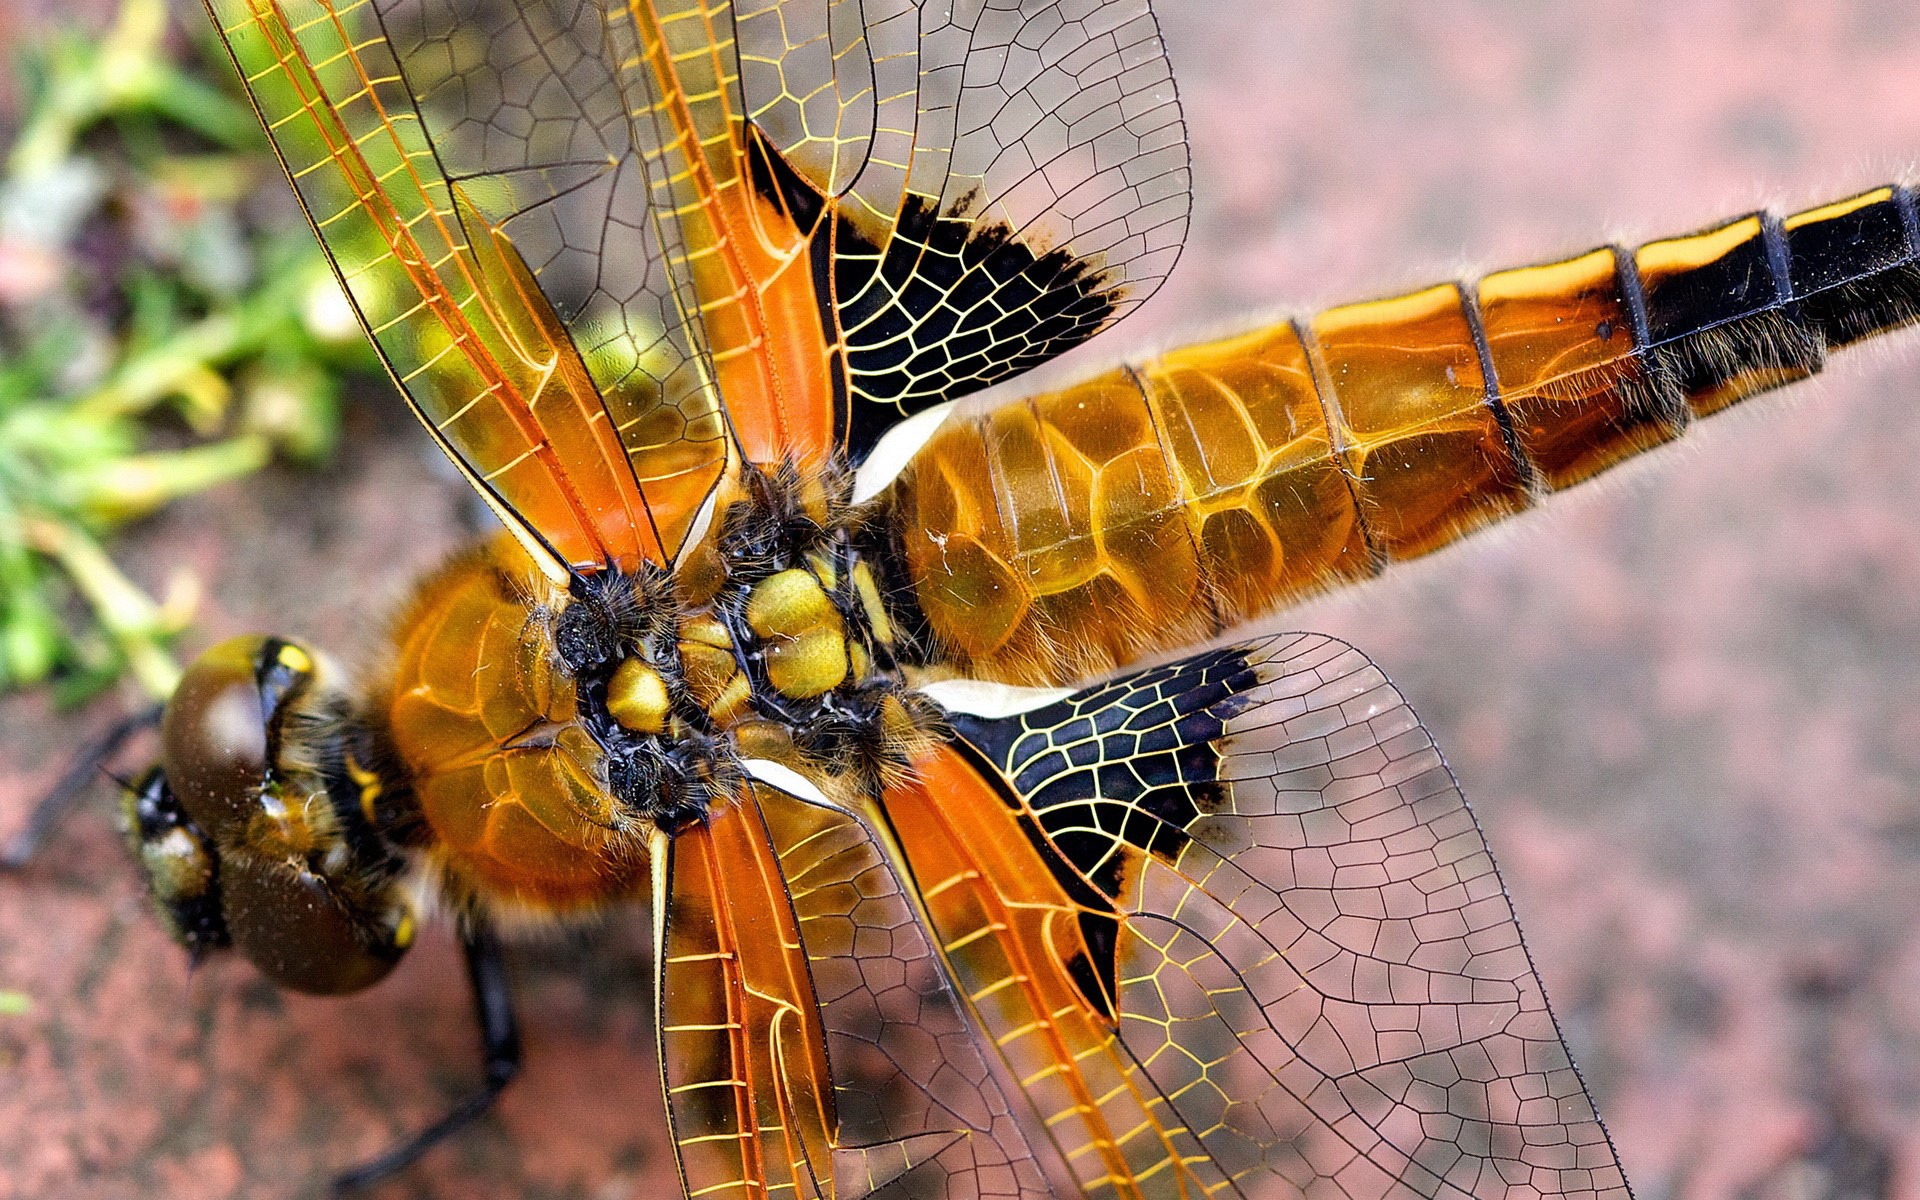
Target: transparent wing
(1007,177)
(1292,938)
(533,107)
(889,204)
(469,166)
(574,227)
(1027,945)
(810,1043)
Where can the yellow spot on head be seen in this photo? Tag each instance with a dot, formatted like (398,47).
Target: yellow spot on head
(294,659)
(369,784)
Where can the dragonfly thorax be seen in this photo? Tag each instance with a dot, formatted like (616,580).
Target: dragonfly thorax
(773,640)
(544,735)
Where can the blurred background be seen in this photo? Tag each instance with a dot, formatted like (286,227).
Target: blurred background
(1683,699)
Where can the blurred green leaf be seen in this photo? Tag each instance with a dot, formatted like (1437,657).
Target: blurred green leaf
(164,328)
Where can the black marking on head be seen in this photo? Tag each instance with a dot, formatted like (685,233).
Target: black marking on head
(345,760)
(281,687)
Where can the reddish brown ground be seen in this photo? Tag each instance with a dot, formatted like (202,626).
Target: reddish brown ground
(1685,705)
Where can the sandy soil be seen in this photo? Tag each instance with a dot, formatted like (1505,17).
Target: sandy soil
(1681,700)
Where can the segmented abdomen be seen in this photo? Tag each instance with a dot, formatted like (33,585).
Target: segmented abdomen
(1166,501)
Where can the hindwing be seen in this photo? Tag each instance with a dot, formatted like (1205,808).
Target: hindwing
(611,251)
(1235,930)
(810,1043)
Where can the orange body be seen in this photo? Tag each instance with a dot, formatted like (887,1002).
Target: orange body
(662,270)
(484,724)
(1163,503)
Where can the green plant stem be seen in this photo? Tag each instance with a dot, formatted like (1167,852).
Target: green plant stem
(126,71)
(182,364)
(137,625)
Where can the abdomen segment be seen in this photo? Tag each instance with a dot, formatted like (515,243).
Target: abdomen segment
(1168,500)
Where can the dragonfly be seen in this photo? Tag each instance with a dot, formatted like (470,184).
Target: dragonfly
(1110,860)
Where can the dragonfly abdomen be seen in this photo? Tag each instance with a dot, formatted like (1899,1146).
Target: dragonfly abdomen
(1171,499)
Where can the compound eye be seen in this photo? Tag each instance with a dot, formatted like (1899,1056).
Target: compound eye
(213,738)
(303,934)
(216,736)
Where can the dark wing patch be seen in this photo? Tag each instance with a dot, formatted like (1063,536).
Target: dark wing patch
(949,306)
(1006,179)
(1318,973)
(1135,762)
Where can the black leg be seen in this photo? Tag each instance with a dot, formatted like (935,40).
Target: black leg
(500,1050)
(71,786)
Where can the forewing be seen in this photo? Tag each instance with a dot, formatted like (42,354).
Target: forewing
(530,106)
(810,1043)
(1007,177)
(468,167)
(574,226)
(1315,969)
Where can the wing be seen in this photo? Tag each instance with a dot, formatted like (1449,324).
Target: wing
(574,226)
(1002,180)
(810,1044)
(1233,922)
(472,170)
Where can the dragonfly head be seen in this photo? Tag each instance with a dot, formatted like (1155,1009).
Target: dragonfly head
(259,827)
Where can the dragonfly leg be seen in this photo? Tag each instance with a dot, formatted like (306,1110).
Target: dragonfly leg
(500,1054)
(60,799)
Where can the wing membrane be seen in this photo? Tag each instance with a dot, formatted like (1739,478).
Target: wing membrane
(1006,178)
(1314,971)
(810,1043)
(1025,944)
(887,205)
(526,108)
(433,252)
(574,226)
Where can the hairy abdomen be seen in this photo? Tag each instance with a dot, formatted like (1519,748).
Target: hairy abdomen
(1167,501)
